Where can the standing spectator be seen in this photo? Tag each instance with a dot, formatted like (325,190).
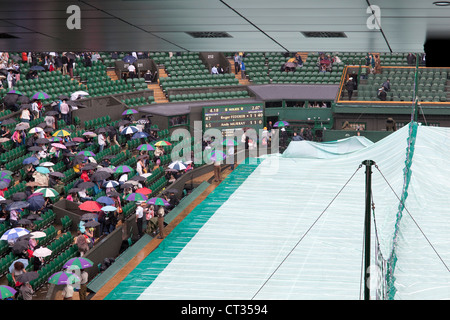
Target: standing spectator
(139,217)
(67,292)
(161,213)
(64,109)
(411,59)
(26,291)
(83,284)
(11,79)
(70,67)
(65,63)
(25,115)
(131,71)
(217,176)
(82,244)
(377,67)
(350,85)
(387,85)
(101,141)
(242,70)
(237,63)
(382,94)
(214,70)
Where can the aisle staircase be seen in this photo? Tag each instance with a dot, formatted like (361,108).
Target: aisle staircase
(244,82)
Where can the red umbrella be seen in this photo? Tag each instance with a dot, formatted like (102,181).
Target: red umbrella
(144,191)
(91,206)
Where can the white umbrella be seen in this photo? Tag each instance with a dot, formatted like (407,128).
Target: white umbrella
(42,252)
(76,94)
(177,165)
(36,130)
(111,184)
(37,234)
(47,164)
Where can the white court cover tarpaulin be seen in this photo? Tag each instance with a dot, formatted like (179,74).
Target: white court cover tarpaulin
(294,229)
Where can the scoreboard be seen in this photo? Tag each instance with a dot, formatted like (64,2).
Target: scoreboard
(233,117)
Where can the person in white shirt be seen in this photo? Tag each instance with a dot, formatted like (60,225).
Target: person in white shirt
(140,216)
(214,70)
(101,141)
(67,292)
(64,110)
(131,71)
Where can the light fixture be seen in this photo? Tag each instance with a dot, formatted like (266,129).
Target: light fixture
(442,3)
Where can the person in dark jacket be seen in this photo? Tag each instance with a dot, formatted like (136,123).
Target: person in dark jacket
(350,86)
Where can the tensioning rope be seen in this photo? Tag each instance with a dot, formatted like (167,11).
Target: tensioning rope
(307,231)
(415,222)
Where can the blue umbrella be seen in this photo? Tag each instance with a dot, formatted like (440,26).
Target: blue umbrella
(32,160)
(105,200)
(109,208)
(24,261)
(129,130)
(36,203)
(37,68)
(129,59)
(139,135)
(42,170)
(17,205)
(14,233)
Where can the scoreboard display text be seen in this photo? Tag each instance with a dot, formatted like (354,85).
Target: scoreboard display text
(234,117)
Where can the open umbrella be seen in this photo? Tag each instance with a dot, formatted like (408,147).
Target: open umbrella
(63,277)
(37,68)
(42,252)
(14,233)
(36,130)
(38,234)
(177,165)
(34,217)
(7,292)
(91,224)
(48,192)
(77,94)
(61,133)
(134,196)
(30,160)
(110,184)
(24,221)
(35,148)
(86,185)
(86,153)
(89,133)
(19,246)
(144,191)
(17,205)
(90,206)
(139,135)
(4,184)
(129,59)
(145,147)
(105,200)
(40,95)
(158,201)
(230,142)
(130,130)
(162,143)
(11,266)
(27,276)
(78,262)
(22,126)
(280,124)
(59,145)
(109,208)
(18,196)
(129,111)
(123,169)
(36,203)
(43,170)
(57,174)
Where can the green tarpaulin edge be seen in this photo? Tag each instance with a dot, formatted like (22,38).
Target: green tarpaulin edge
(148,270)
